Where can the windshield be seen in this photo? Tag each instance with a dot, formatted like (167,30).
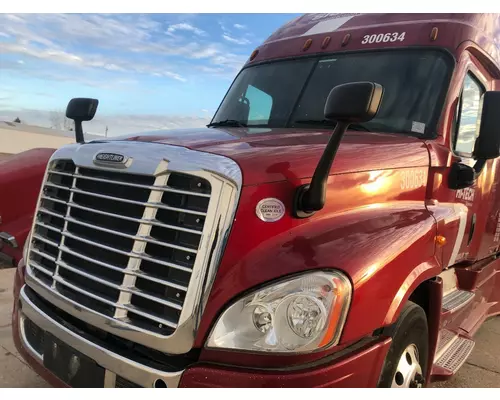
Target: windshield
(293,93)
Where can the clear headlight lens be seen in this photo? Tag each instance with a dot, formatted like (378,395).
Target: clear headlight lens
(300,314)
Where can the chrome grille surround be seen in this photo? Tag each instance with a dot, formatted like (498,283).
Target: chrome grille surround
(146,159)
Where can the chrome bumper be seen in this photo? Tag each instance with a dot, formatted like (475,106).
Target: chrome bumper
(113,363)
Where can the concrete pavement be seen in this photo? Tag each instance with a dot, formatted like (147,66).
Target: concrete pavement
(481,370)
(14,372)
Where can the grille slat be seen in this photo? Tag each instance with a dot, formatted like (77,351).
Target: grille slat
(152,205)
(55,199)
(40,253)
(132,237)
(149,187)
(56,186)
(44,210)
(131,219)
(41,269)
(49,227)
(104,282)
(45,240)
(138,273)
(121,244)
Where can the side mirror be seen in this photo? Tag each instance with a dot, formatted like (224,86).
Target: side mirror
(461,176)
(354,102)
(487,144)
(79,110)
(348,103)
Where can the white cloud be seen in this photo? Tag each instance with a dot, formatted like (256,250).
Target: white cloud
(231,39)
(239,26)
(186,27)
(92,61)
(113,42)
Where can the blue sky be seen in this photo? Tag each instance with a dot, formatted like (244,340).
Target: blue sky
(148,71)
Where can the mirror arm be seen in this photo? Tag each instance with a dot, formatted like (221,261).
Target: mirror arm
(79,132)
(311,198)
(478,166)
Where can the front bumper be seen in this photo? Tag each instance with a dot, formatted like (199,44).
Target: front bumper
(360,369)
(114,364)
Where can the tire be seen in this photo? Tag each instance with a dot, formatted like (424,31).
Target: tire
(410,342)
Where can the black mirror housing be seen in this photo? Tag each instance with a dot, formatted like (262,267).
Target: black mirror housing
(354,102)
(487,144)
(461,176)
(81,109)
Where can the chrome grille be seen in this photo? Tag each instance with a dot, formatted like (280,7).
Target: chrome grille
(121,244)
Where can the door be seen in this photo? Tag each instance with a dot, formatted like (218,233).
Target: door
(481,234)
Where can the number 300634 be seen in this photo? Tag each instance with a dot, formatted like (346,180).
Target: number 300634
(383,37)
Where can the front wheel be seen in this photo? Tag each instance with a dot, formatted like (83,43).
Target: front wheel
(406,363)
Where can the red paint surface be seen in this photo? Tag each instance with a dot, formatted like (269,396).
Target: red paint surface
(271,155)
(20,180)
(359,370)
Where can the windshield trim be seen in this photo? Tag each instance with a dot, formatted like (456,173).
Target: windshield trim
(449,59)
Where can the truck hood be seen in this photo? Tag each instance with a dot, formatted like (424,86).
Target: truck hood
(270,155)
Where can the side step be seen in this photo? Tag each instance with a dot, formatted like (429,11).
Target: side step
(7,238)
(454,353)
(456,299)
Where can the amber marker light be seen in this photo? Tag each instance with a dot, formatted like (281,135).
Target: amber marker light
(440,240)
(254,54)
(346,40)
(434,34)
(337,313)
(307,44)
(326,42)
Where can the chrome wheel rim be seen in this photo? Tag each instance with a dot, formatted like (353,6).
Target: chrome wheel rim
(408,372)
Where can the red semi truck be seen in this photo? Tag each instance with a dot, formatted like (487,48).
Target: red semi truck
(337,224)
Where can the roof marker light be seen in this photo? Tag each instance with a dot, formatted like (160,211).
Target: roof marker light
(326,42)
(346,39)
(307,44)
(434,34)
(254,54)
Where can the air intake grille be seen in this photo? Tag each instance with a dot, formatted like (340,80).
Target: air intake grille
(121,244)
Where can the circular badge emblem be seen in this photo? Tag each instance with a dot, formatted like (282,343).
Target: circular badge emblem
(270,210)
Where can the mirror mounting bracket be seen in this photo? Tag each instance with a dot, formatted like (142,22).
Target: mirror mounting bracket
(478,166)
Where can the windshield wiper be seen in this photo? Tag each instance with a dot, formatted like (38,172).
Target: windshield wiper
(358,127)
(228,122)
(328,123)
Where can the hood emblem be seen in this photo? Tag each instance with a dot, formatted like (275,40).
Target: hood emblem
(270,209)
(111,159)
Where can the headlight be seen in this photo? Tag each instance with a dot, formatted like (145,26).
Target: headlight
(297,315)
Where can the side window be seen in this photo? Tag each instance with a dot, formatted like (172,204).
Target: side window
(260,106)
(466,132)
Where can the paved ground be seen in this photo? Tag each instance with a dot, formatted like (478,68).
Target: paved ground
(481,370)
